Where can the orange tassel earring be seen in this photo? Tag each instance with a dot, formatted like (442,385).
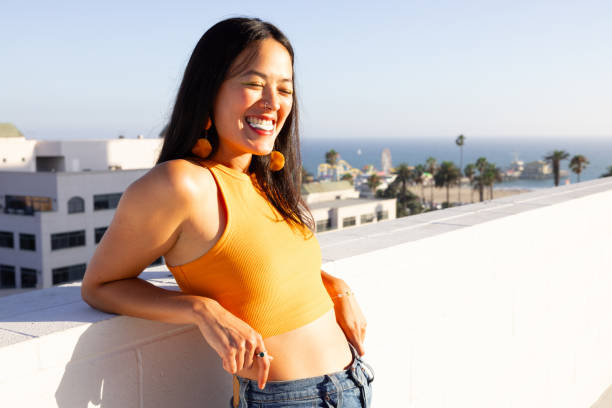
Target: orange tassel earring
(203,147)
(277,160)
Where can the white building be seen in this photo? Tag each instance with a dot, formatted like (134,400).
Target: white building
(56,200)
(336,205)
(20,154)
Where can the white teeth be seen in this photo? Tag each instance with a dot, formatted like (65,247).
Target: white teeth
(263,124)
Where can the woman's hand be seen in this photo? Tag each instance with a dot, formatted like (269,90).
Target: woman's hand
(235,341)
(351,319)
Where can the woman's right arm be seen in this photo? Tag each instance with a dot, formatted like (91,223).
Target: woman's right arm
(146,224)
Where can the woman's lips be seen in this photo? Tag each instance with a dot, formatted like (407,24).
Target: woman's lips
(261,131)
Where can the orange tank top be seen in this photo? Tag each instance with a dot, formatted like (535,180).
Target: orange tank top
(263,270)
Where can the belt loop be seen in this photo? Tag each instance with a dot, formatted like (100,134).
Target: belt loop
(336,383)
(370,370)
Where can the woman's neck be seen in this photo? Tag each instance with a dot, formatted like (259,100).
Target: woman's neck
(240,163)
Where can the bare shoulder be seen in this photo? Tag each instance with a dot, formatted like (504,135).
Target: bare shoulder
(177,182)
(149,219)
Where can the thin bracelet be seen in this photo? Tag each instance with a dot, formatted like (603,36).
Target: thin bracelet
(343,294)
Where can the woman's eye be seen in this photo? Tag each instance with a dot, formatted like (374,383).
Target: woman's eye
(258,84)
(286,91)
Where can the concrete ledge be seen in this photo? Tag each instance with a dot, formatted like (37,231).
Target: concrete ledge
(502,303)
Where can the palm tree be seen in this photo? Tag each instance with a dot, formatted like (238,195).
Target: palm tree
(447,175)
(404,176)
(373,182)
(431,165)
(608,173)
(493,174)
(348,177)
(578,163)
(470,171)
(555,158)
(331,157)
(480,181)
(418,175)
(460,141)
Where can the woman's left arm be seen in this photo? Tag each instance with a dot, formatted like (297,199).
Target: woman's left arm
(348,313)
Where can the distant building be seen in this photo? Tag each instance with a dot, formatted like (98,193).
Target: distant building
(536,170)
(56,200)
(327,190)
(336,205)
(326,171)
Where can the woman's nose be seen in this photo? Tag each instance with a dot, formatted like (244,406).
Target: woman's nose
(270,100)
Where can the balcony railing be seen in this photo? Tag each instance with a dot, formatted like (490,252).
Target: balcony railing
(504,303)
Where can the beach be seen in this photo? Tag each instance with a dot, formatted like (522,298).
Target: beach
(468,195)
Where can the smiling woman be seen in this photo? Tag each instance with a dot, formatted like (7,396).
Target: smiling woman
(236,234)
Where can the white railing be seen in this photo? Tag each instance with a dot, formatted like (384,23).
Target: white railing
(504,303)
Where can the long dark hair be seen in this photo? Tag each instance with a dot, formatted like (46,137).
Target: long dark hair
(207,69)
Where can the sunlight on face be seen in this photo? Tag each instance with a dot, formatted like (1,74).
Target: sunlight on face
(255,100)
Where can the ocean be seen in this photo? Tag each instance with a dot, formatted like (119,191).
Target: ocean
(501,151)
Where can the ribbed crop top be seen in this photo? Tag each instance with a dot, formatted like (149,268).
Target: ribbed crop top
(262,269)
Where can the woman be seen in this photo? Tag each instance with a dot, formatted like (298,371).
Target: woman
(226,213)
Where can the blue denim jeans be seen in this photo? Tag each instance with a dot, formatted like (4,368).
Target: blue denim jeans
(350,388)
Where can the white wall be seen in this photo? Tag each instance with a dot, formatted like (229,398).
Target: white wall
(496,304)
(17,154)
(100,154)
(331,195)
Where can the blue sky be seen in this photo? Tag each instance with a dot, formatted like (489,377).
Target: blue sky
(396,69)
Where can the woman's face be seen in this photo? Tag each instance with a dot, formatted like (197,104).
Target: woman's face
(252,105)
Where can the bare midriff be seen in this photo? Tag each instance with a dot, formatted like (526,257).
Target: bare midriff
(317,348)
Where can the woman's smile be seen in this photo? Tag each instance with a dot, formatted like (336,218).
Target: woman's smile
(262,125)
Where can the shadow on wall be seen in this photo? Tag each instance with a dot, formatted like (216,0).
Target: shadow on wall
(128,362)
(605,401)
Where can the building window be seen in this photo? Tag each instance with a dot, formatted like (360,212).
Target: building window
(367,218)
(323,225)
(98,233)
(27,242)
(382,215)
(29,278)
(76,205)
(27,205)
(106,201)
(67,239)
(7,276)
(68,273)
(349,221)
(6,239)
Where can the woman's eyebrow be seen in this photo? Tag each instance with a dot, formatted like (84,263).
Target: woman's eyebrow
(262,75)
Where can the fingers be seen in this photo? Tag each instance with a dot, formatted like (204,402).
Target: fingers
(239,353)
(250,352)
(240,356)
(229,362)
(263,368)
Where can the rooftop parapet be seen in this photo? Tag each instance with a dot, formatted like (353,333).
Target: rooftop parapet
(501,303)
